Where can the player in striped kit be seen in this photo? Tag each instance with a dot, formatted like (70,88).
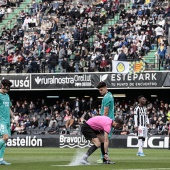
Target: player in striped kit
(141,123)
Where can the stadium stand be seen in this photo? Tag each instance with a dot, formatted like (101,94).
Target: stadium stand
(80,36)
(70,36)
(85,36)
(7,7)
(36,117)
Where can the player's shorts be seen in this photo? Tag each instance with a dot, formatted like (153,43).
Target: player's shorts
(4,128)
(142,131)
(88,132)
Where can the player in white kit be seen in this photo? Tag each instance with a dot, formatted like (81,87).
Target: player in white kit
(141,123)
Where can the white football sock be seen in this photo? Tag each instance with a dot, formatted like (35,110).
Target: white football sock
(140,145)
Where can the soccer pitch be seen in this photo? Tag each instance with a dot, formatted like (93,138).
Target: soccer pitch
(60,159)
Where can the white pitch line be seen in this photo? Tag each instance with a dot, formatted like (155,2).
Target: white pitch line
(119,169)
(76,165)
(60,165)
(149,169)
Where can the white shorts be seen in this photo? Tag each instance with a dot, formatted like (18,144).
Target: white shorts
(142,131)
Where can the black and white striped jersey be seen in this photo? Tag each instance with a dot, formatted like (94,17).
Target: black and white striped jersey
(141,116)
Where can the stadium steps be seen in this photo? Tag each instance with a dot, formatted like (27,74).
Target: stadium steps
(151,60)
(110,22)
(104,29)
(12,17)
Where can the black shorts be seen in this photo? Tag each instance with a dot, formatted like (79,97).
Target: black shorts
(88,132)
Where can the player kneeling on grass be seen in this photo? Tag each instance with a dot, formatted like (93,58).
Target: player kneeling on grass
(93,130)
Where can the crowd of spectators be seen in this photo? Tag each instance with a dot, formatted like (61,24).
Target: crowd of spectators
(7,6)
(66,117)
(65,36)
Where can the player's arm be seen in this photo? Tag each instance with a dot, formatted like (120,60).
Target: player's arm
(106,111)
(147,120)
(12,114)
(136,118)
(168,131)
(106,104)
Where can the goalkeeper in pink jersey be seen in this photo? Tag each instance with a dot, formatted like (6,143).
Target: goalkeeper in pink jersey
(92,130)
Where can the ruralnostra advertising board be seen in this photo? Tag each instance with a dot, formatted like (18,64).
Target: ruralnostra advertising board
(62,81)
(90,80)
(80,81)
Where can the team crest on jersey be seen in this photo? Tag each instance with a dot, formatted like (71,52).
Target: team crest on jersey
(6,104)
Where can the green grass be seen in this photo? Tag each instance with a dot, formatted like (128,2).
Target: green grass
(44,158)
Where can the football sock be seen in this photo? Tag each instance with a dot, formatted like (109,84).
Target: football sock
(91,150)
(2,151)
(102,150)
(140,145)
(2,142)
